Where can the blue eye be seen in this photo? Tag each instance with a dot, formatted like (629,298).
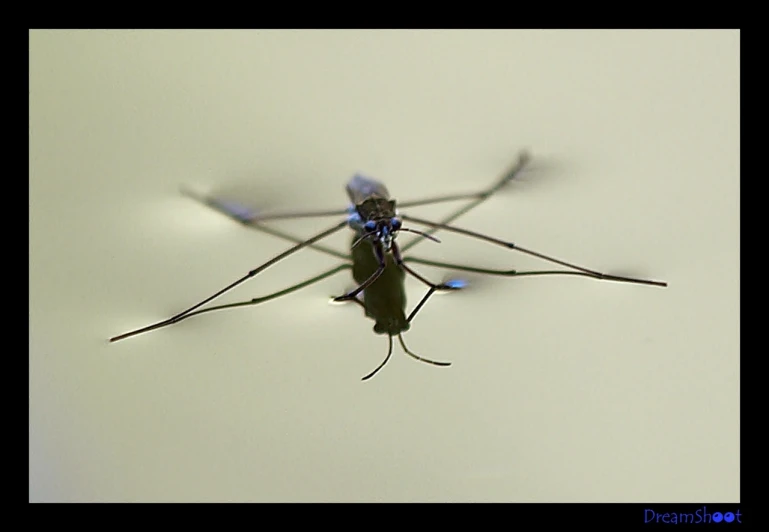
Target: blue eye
(369,226)
(395,224)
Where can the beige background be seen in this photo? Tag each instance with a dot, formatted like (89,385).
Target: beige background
(561,389)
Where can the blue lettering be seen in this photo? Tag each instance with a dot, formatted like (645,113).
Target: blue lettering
(701,515)
(646,515)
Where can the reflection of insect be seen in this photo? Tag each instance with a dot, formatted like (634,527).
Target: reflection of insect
(376,261)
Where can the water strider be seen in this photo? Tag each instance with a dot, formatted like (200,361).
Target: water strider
(377,262)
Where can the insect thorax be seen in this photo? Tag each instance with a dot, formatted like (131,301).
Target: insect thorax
(376,209)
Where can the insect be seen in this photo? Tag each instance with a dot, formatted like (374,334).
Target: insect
(376,260)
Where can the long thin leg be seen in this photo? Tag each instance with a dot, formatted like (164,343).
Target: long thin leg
(523,159)
(246,217)
(401,263)
(480,197)
(432,286)
(358,301)
(269,216)
(374,276)
(380,366)
(456,285)
(505,273)
(249,275)
(417,357)
(441,199)
(511,245)
(274,295)
(430,292)
(407,351)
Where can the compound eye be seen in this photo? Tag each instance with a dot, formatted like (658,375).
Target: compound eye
(370,226)
(395,224)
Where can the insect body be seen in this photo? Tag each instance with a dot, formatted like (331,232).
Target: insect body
(384,299)
(377,262)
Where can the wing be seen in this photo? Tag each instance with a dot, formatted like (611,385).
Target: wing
(361,188)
